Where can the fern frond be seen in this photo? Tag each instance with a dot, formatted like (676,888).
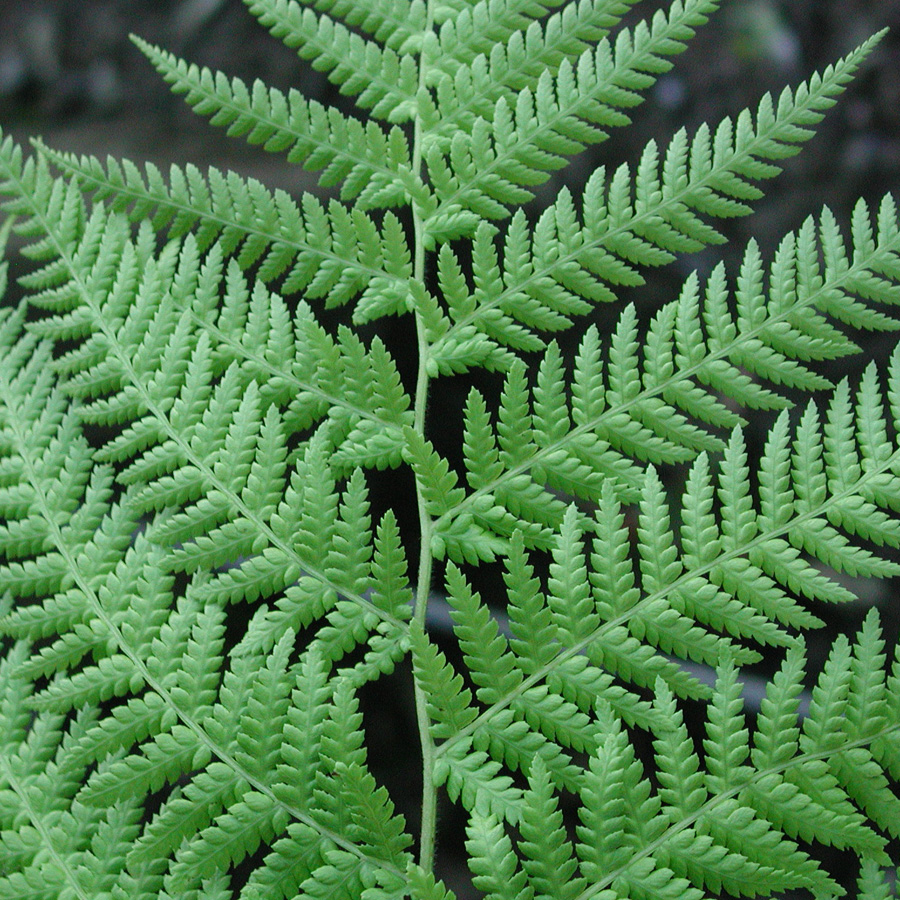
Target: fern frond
(486,158)
(507,32)
(176,438)
(516,141)
(380,79)
(54,507)
(124,625)
(38,787)
(395,23)
(261,815)
(685,606)
(327,253)
(548,273)
(370,163)
(168,466)
(493,668)
(719,831)
(344,800)
(668,407)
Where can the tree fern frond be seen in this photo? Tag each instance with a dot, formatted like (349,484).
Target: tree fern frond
(40,780)
(686,604)
(221,427)
(682,787)
(265,714)
(264,814)
(59,504)
(176,747)
(514,142)
(560,721)
(440,492)
(514,64)
(614,786)
(669,844)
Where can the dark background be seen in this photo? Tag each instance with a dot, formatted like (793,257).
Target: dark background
(69,74)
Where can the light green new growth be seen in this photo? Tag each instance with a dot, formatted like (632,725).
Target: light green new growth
(194,589)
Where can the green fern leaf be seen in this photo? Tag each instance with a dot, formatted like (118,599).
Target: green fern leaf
(382,80)
(206,585)
(317,137)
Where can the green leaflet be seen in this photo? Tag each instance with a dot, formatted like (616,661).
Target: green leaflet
(199,587)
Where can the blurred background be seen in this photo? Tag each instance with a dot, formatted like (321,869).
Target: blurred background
(69,74)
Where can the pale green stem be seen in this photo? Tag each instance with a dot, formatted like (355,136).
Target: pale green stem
(423,587)
(423,582)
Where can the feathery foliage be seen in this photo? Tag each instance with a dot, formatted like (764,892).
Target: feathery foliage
(197,590)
